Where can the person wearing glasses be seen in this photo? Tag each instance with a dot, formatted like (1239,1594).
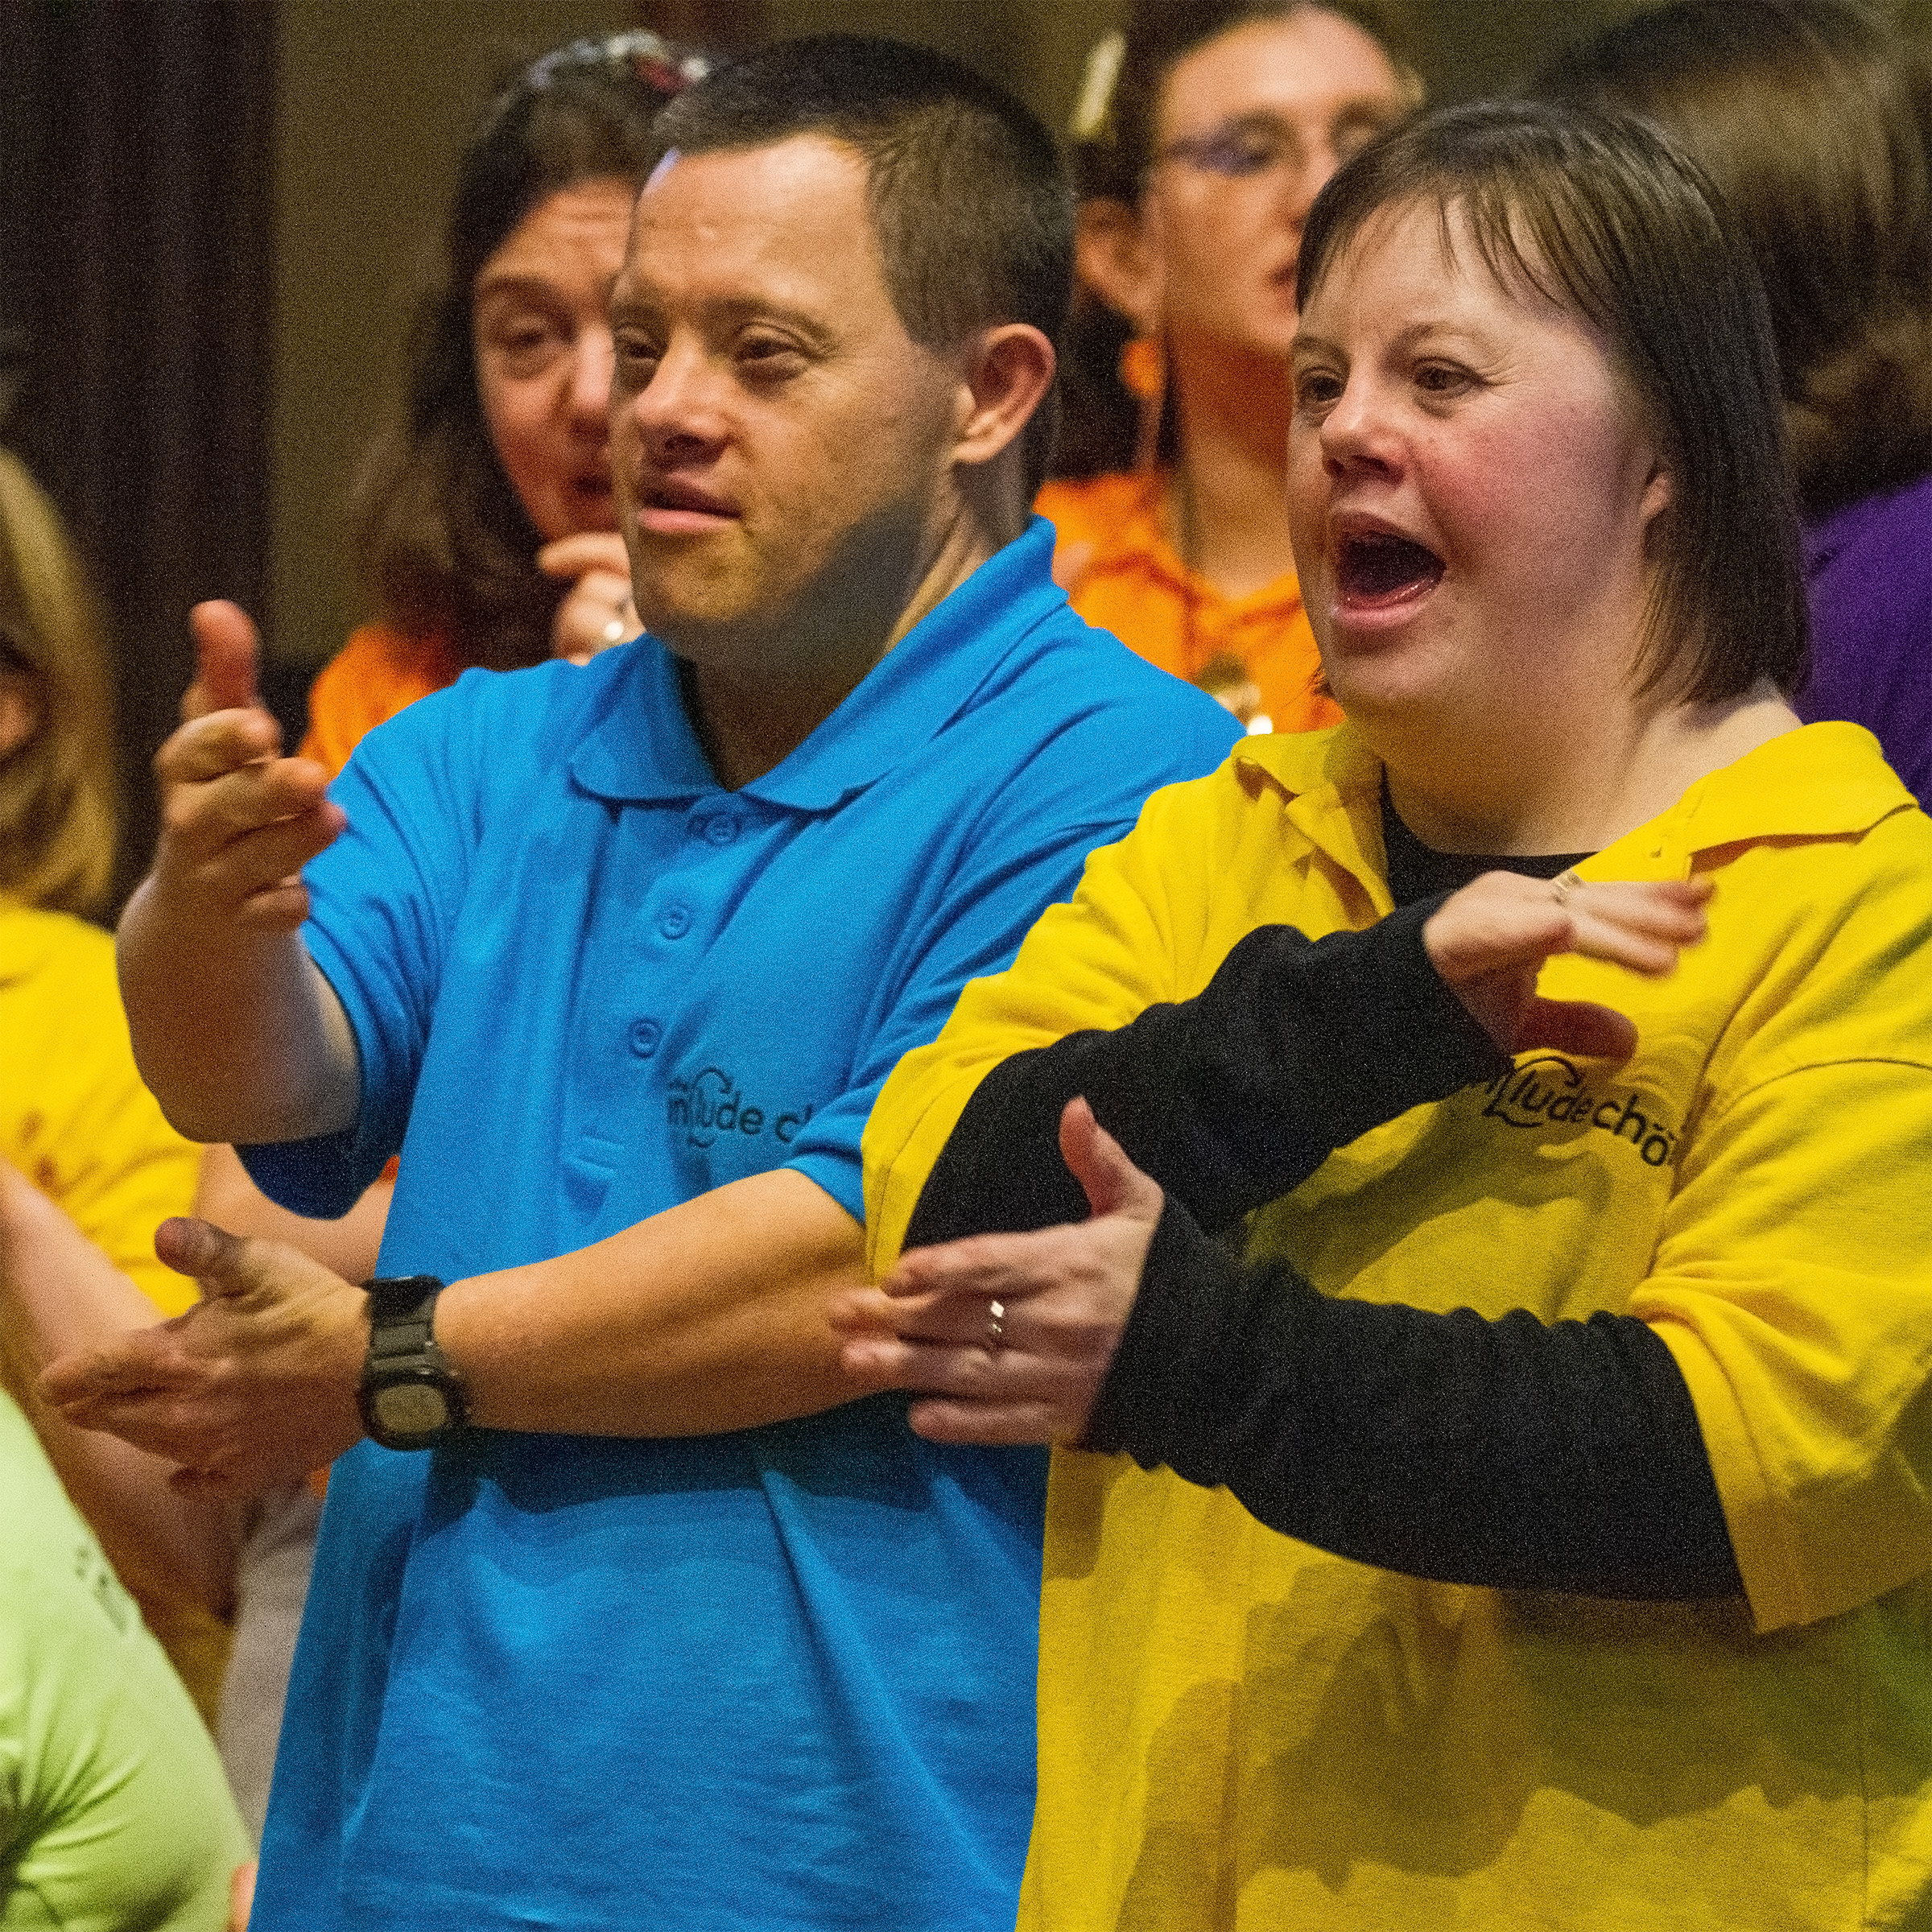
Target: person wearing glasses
(1205,133)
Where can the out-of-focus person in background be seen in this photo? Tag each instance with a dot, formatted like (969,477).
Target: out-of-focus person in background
(77,1127)
(485,521)
(1813,119)
(1203,134)
(113,1811)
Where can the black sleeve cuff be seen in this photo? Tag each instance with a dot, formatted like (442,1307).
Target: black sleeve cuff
(1228,1099)
(1507,1454)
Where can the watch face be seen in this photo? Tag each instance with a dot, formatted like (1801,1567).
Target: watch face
(410,1408)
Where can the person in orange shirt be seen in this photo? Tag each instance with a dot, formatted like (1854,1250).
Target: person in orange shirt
(486,523)
(1205,133)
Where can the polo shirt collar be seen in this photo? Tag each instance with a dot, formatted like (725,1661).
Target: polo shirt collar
(643,750)
(1822,781)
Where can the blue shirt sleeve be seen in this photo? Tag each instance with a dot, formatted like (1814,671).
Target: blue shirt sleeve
(382,902)
(1082,789)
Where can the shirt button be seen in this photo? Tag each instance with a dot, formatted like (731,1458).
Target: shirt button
(644,1036)
(675,921)
(722,829)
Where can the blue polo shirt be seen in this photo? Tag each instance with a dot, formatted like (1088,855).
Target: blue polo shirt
(780,1679)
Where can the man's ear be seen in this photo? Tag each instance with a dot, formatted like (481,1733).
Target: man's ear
(1111,257)
(1008,370)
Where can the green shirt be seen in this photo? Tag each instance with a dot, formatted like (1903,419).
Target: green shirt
(114,1816)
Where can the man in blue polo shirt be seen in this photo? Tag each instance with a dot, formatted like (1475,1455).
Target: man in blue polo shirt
(664,1628)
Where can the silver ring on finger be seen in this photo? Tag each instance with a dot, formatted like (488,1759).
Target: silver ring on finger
(996,1326)
(1563,885)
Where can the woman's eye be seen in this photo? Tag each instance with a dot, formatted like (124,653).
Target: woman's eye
(1441,379)
(1316,388)
(526,344)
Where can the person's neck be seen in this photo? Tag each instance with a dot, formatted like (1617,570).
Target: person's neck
(1226,503)
(1547,791)
(754,699)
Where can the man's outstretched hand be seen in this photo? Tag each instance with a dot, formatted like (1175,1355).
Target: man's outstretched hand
(238,821)
(1489,940)
(255,1384)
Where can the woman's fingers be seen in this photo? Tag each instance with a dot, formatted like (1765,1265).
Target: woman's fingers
(1506,922)
(597,611)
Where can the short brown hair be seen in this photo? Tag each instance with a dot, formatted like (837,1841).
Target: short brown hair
(1811,117)
(58,793)
(969,203)
(1602,217)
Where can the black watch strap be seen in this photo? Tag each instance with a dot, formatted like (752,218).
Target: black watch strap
(411,1396)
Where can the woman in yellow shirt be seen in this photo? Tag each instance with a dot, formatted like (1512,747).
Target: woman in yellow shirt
(1530,1525)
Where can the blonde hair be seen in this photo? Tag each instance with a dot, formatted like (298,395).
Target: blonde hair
(58,795)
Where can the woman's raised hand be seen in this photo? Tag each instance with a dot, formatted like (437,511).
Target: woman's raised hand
(596,611)
(1489,940)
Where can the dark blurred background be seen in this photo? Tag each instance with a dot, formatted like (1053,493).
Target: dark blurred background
(214,215)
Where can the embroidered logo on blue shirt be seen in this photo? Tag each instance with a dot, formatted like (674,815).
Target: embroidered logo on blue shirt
(711,1104)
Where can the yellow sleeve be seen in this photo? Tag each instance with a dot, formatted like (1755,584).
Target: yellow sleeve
(1121,943)
(1793,1276)
(78,1122)
(1793,1286)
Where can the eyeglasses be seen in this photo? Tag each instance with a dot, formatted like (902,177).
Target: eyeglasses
(1255,144)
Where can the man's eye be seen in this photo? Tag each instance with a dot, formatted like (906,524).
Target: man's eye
(637,359)
(770,356)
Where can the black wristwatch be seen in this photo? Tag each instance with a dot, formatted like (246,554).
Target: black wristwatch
(410,1397)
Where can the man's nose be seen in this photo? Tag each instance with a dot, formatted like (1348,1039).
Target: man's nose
(680,407)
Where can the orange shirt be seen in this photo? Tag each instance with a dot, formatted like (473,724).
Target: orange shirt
(1122,574)
(377,673)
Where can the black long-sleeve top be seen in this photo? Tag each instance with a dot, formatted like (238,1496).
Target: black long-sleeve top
(1511,1453)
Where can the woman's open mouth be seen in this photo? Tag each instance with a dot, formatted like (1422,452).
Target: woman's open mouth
(1377,568)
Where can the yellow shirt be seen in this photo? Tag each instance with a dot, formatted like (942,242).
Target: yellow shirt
(1122,575)
(1238,1730)
(77,1121)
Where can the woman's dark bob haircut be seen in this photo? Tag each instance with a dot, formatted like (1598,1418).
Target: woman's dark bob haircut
(441,535)
(1600,216)
(1812,119)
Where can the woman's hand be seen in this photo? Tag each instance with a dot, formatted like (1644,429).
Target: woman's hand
(1009,1336)
(596,612)
(1489,940)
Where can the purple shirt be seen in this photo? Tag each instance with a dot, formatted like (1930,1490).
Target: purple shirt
(1868,572)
